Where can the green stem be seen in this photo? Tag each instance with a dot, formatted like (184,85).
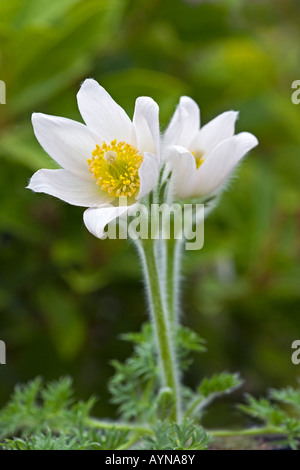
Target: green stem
(108,425)
(160,320)
(199,403)
(140,430)
(172,278)
(247,432)
(193,407)
(130,442)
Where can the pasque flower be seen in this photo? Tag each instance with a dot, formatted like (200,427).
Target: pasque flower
(109,158)
(202,159)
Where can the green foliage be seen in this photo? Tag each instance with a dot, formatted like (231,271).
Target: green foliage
(48,441)
(277,418)
(188,341)
(65,440)
(48,418)
(168,436)
(36,407)
(219,384)
(289,395)
(135,382)
(209,389)
(264,410)
(242,288)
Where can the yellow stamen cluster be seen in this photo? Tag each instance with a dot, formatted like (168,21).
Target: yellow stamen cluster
(198,155)
(116,166)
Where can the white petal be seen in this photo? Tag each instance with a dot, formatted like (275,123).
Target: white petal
(102,114)
(183,166)
(191,123)
(184,124)
(146,123)
(173,130)
(210,135)
(220,163)
(96,219)
(68,188)
(148,174)
(68,142)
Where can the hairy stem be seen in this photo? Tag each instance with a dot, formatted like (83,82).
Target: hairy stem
(164,337)
(172,279)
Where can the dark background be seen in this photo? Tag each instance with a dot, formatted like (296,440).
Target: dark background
(65,297)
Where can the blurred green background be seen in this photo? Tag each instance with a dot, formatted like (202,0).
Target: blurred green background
(65,297)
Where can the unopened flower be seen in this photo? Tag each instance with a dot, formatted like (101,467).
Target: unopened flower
(202,159)
(107,159)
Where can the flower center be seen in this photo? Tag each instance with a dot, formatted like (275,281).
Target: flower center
(116,166)
(198,155)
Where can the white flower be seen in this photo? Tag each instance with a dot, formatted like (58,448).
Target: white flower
(201,160)
(108,158)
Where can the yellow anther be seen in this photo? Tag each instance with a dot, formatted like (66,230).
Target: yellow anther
(115,167)
(198,155)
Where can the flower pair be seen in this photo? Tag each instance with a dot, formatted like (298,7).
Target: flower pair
(112,157)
